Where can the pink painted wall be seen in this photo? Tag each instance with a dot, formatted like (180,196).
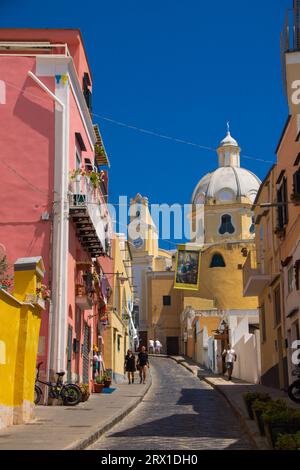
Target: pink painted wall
(27,147)
(59,36)
(26,168)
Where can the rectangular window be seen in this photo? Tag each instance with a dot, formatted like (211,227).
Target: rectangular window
(166,300)
(277,306)
(297,183)
(282,199)
(86,91)
(78,160)
(263,323)
(290,279)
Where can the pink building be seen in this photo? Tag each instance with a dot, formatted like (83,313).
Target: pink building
(50,207)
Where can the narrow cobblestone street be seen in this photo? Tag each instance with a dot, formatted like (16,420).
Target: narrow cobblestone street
(179,412)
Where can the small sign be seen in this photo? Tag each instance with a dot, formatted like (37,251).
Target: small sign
(293,81)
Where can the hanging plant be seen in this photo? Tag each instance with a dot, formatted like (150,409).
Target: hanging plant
(96,178)
(43,292)
(6,281)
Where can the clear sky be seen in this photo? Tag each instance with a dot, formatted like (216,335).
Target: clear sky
(179,68)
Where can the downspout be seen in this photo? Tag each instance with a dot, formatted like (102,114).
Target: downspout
(58,307)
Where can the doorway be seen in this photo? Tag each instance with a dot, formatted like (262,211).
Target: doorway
(172,345)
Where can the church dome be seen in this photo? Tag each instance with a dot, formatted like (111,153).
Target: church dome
(226,184)
(229,182)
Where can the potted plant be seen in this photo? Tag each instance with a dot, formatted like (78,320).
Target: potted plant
(85,391)
(43,292)
(258,407)
(280,421)
(249,399)
(288,442)
(106,380)
(98,385)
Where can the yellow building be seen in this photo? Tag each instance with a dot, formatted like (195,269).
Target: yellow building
(158,304)
(20,319)
(199,323)
(223,229)
(120,333)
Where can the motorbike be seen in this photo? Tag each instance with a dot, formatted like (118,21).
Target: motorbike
(294,388)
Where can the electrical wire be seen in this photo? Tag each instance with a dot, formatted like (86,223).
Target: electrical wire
(140,129)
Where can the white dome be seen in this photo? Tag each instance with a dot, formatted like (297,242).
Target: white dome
(226,183)
(229,140)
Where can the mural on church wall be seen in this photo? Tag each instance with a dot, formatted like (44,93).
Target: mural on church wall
(187,273)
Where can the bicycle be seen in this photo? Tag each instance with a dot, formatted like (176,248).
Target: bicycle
(69,393)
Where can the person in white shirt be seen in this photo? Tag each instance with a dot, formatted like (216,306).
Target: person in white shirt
(158,346)
(230,358)
(151,346)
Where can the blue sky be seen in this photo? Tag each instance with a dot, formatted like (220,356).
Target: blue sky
(180,68)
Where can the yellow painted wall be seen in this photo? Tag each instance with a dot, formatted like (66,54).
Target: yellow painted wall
(224,285)
(164,321)
(19,335)
(118,325)
(113,357)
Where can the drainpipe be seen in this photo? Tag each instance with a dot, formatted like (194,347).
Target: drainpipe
(57,360)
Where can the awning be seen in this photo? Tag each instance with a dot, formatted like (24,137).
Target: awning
(100,152)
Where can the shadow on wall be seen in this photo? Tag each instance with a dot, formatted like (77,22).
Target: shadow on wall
(36,116)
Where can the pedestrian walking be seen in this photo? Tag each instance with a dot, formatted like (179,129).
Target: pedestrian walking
(130,366)
(96,362)
(158,346)
(230,358)
(143,364)
(151,346)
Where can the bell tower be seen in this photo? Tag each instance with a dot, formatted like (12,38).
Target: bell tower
(142,233)
(229,151)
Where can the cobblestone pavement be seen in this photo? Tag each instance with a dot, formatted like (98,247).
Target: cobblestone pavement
(178,413)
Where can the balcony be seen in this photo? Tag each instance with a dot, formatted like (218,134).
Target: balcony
(254,280)
(85,211)
(84,298)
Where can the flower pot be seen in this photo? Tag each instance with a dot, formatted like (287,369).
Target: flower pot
(273,430)
(98,388)
(107,383)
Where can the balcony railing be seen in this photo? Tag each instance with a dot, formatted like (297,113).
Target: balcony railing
(86,212)
(254,279)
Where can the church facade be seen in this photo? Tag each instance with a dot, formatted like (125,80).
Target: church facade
(222,226)
(200,323)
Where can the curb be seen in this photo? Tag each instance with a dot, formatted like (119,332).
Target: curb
(238,414)
(82,444)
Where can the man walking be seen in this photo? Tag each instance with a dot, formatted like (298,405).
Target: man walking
(230,358)
(158,346)
(143,363)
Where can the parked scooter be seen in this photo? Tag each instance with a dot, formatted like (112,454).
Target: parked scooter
(294,388)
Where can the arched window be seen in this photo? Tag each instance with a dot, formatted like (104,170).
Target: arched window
(226,225)
(217,261)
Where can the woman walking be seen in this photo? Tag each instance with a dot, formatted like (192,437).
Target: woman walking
(143,364)
(130,366)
